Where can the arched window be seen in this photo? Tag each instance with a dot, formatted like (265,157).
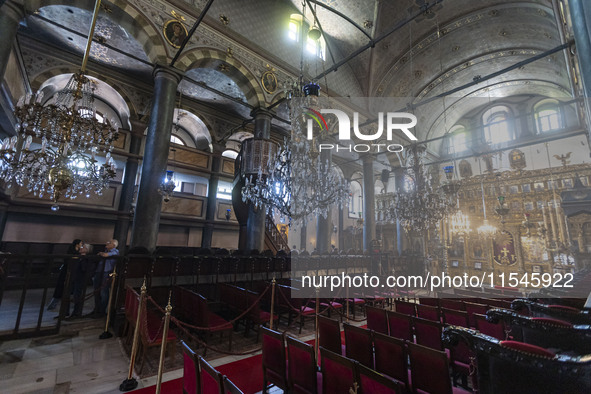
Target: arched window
(497,128)
(548,116)
(355,200)
(458,140)
(232,154)
(176,140)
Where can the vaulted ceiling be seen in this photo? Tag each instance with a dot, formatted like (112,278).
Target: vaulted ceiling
(414,50)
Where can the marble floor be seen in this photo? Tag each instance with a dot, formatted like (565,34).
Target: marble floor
(75,361)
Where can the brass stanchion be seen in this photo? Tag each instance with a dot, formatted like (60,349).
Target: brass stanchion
(163,347)
(106,334)
(348,304)
(317,308)
(130,383)
(272,302)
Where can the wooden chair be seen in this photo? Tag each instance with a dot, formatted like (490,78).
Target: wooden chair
(400,325)
(212,382)
(191,383)
(303,374)
(274,360)
(372,382)
(230,388)
(359,344)
(329,335)
(391,357)
(339,374)
(377,319)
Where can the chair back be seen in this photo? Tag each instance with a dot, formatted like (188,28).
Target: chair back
(190,370)
(372,382)
(338,372)
(495,330)
(274,359)
(450,303)
(428,312)
(473,308)
(302,373)
(329,334)
(376,319)
(400,325)
(429,301)
(428,333)
(391,357)
(211,379)
(406,308)
(454,317)
(359,344)
(429,370)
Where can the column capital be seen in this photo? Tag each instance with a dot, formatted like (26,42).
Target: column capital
(13,10)
(164,71)
(138,127)
(260,112)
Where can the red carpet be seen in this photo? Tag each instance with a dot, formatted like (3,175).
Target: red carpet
(170,387)
(247,373)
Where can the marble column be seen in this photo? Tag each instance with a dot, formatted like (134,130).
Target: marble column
(10,15)
(341,228)
(214,179)
(149,201)
(369,209)
(128,188)
(323,225)
(580,14)
(255,226)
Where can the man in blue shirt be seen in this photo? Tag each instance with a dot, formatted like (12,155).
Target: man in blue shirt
(102,280)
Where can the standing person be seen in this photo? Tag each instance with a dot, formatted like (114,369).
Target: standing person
(73,249)
(101,279)
(80,278)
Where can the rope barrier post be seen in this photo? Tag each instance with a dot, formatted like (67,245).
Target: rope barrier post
(273,282)
(130,383)
(348,304)
(316,333)
(163,347)
(106,334)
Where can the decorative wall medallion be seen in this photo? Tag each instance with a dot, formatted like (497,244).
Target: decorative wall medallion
(269,81)
(517,159)
(174,32)
(465,169)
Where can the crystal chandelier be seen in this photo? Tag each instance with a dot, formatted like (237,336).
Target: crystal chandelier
(55,146)
(423,205)
(168,185)
(296,181)
(459,224)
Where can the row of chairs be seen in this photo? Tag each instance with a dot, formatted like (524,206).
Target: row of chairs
(199,377)
(191,307)
(291,365)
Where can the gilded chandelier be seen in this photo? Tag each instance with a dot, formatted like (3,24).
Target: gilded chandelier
(297,181)
(56,143)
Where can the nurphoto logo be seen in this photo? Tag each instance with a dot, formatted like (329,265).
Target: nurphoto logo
(394,121)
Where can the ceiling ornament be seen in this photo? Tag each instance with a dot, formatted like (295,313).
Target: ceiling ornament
(56,146)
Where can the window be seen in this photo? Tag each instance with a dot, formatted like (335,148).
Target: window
(224,190)
(458,140)
(176,140)
(293,31)
(316,47)
(355,200)
(548,117)
(496,125)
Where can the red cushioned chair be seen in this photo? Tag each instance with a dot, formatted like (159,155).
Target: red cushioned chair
(495,330)
(359,344)
(376,319)
(190,370)
(338,372)
(329,335)
(303,374)
(257,316)
(428,312)
(404,307)
(274,364)
(212,382)
(451,304)
(391,357)
(429,370)
(215,323)
(230,388)
(428,333)
(455,318)
(400,325)
(372,382)
(473,308)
